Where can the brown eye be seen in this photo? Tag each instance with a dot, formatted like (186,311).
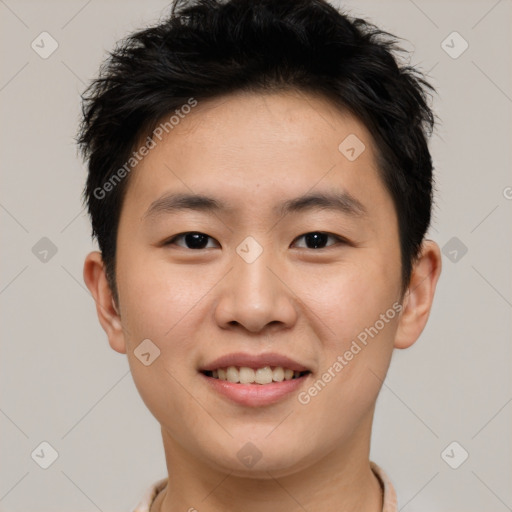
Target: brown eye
(318,239)
(192,240)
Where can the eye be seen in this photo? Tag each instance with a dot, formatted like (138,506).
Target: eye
(193,239)
(318,239)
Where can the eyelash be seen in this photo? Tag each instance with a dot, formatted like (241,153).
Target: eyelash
(338,239)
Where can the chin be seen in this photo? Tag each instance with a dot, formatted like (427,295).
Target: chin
(265,469)
(262,458)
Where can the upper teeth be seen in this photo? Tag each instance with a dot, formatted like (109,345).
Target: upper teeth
(245,375)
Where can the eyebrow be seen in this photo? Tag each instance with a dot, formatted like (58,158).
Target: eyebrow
(337,201)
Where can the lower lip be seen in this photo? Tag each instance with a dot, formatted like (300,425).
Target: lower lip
(255,395)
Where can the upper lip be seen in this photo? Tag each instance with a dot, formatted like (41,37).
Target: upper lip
(254,361)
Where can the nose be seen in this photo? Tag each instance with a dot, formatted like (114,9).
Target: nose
(256,295)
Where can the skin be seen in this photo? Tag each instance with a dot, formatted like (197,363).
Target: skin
(252,151)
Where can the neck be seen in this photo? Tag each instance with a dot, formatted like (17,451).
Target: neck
(340,481)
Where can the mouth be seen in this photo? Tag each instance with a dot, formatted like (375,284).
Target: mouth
(255,380)
(247,375)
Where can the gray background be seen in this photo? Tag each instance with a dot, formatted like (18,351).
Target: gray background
(62,383)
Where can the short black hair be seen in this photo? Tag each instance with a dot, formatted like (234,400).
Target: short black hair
(209,48)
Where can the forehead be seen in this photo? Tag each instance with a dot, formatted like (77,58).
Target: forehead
(272,145)
(289,120)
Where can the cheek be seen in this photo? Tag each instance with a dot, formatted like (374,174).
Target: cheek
(350,297)
(162,305)
(158,300)
(356,348)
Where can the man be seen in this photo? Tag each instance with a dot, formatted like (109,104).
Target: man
(260,186)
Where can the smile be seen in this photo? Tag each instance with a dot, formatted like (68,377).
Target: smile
(264,375)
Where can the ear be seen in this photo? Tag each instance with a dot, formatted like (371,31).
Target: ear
(96,280)
(419,295)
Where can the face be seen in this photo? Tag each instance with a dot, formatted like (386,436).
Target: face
(294,263)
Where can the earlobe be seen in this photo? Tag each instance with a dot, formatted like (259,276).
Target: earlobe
(419,295)
(108,314)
